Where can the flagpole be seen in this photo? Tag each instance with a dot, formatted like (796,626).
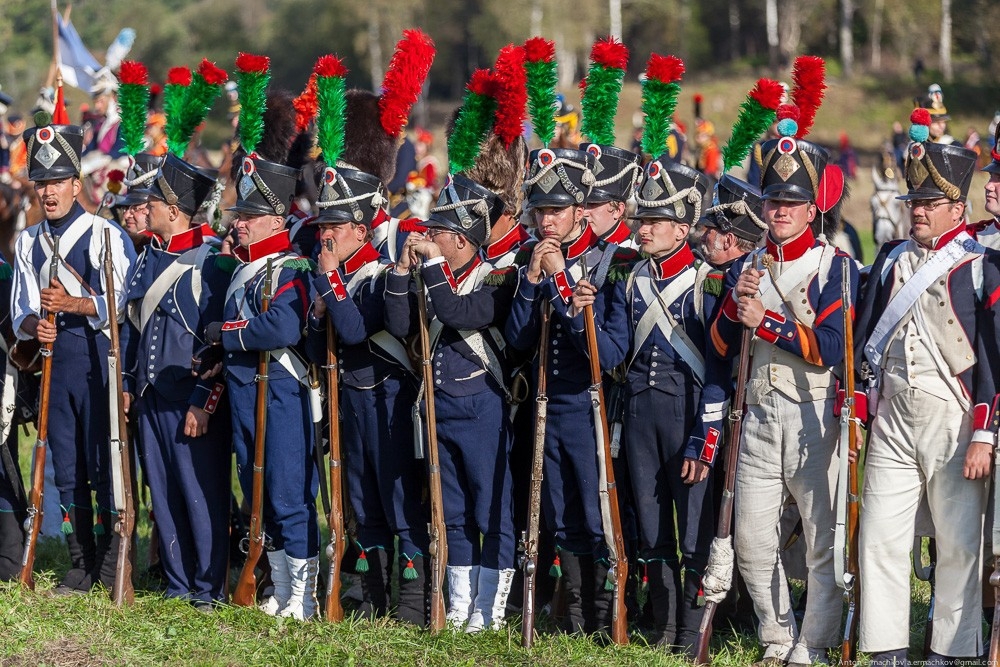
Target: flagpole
(54,73)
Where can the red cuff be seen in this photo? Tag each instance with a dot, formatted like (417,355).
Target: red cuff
(860,404)
(213,399)
(234,325)
(337,285)
(561,280)
(711,446)
(729,308)
(981,417)
(775,326)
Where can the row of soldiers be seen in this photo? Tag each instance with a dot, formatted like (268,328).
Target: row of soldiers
(668,329)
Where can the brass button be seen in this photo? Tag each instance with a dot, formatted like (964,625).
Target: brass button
(803,290)
(951,321)
(960,339)
(808,312)
(941,283)
(941,304)
(805,301)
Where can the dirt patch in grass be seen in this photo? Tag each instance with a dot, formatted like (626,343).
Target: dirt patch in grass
(61,653)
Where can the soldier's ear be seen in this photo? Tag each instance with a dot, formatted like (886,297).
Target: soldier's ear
(77,187)
(812,211)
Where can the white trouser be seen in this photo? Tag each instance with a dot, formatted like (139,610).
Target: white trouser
(917,448)
(788,448)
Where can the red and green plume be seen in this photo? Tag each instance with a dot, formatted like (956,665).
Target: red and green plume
(133,101)
(540,65)
(403,80)
(512,95)
(254,74)
(330,88)
(659,99)
(174,92)
(809,86)
(474,121)
(756,115)
(601,89)
(200,95)
(306,105)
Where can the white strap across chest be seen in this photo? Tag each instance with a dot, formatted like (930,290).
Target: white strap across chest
(67,241)
(192,260)
(658,315)
(790,278)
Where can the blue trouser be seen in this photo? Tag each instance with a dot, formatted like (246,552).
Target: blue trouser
(189,484)
(474,440)
(656,431)
(570,491)
(290,476)
(384,481)
(78,421)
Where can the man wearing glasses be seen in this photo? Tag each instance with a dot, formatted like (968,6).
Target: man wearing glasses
(925,333)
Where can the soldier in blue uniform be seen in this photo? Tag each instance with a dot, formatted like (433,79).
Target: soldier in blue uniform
(470,392)
(13,499)
(378,389)
(617,172)
(78,413)
(557,187)
(669,435)
(177,287)
(290,476)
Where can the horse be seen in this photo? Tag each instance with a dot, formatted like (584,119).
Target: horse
(19,208)
(888,220)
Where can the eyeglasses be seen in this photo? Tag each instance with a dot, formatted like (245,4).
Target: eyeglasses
(437,231)
(926,204)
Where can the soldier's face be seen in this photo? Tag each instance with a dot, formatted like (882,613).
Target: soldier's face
(787,220)
(252,228)
(57,197)
(938,128)
(348,238)
(993,195)
(659,237)
(930,218)
(602,217)
(561,224)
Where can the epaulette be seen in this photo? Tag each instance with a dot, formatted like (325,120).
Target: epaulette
(300,264)
(715,280)
(523,255)
(226,263)
(506,276)
(619,271)
(6,271)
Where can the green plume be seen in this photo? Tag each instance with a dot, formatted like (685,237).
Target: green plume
(600,104)
(133,99)
(331,117)
(756,114)
(474,121)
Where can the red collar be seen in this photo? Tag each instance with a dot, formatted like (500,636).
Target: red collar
(582,244)
(791,250)
(975,228)
(467,270)
(618,234)
(207,232)
(943,240)
(361,256)
(509,241)
(189,238)
(273,244)
(297,213)
(381,216)
(671,265)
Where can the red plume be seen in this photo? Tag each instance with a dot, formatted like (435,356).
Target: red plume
(306,105)
(809,78)
(133,72)
(179,76)
(249,62)
(698,98)
(116,175)
(920,117)
(512,93)
(539,49)
(665,68)
(768,93)
(214,76)
(412,225)
(610,53)
(483,82)
(403,80)
(155,89)
(330,65)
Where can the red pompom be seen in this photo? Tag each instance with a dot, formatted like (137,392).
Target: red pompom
(483,82)
(133,72)
(512,93)
(610,53)
(767,93)
(248,62)
(330,66)
(539,49)
(698,99)
(116,175)
(404,78)
(306,105)
(215,76)
(179,76)
(666,69)
(412,225)
(788,111)
(155,89)
(920,117)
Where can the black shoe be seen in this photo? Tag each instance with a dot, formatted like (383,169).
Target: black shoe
(376,582)
(414,591)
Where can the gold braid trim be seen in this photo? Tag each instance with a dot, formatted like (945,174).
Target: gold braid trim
(811,170)
(951,191)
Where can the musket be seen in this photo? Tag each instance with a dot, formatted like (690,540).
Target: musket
(618,571)
(121,451)
(734,432)
(850,436)
(33,524)
(245,594)
(529,539)
(335,550)
(438,532)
